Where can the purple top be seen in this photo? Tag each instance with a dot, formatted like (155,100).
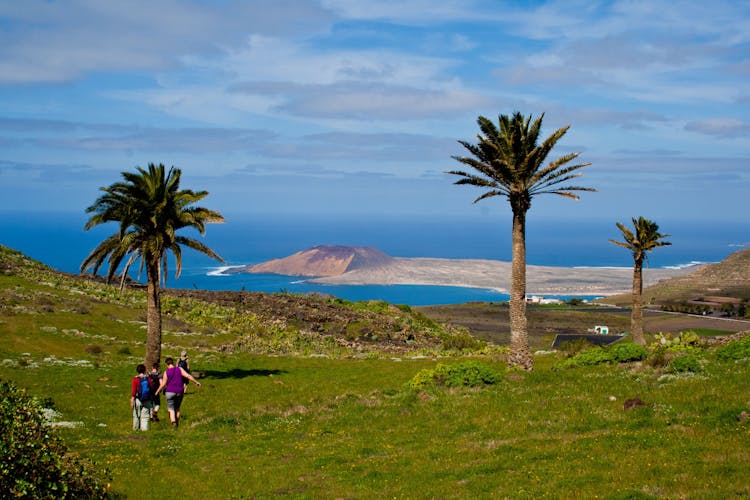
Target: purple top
(174,380)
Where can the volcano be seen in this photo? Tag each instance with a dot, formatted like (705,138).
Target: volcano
(321,261)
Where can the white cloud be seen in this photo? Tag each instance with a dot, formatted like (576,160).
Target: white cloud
(344,85)
(643,51)
(62,41)
(410,11)
(304,64)
(365,101)
(344,89)
(720,127)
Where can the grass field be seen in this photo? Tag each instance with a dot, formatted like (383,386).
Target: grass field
(312,426)
(321,428)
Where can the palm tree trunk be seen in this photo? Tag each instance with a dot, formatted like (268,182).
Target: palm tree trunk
(636,317)
(153,314)
(520,355)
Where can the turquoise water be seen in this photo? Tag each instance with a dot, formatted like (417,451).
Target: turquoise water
(59,241)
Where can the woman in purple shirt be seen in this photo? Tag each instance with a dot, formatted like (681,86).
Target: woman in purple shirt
(171,383)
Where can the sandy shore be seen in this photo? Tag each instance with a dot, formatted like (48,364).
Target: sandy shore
(540,280)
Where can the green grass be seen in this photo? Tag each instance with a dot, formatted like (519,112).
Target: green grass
(264,426)
(308,427)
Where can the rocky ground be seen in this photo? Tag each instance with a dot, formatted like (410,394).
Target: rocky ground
(488,321)
(373,325)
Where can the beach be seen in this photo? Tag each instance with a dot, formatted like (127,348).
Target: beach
(493,274)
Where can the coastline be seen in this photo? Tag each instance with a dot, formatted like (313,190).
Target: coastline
(495,275)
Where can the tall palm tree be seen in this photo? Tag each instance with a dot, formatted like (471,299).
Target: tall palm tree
(509,163)
(643,239)
(150,208)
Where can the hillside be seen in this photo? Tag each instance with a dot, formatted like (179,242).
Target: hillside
(286,411)
(34,296)
(322,260)
(728,278)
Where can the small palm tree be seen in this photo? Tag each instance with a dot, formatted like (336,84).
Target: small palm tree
(643,239)
(150,208)
(509,163)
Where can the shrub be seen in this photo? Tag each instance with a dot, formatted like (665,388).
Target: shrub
(422,379)
(469,374)
(594,356)
(618,353)
(738,349)
(466,374)
(35,462)
(572,347)
(462,341)
(94,349)
(687,363)
(625,352)
(658,359)
(685,341)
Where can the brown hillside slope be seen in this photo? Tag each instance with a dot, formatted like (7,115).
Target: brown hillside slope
(322,260)
(728,278)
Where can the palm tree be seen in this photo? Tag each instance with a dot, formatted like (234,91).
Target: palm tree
(644,239)
(509,163)
(150,208)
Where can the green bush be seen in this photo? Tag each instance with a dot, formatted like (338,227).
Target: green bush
(572,347)
(657,359)
(35,462)
(594,356)
(405,308)
(683,342)
(687,363)
(619,353)
(466,374)
(625,352)
(739,349)
(462,341)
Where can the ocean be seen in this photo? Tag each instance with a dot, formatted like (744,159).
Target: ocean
(59,241)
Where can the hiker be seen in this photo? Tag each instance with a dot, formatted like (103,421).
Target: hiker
(155,377)
(171,383)
(184,363)
(141,393)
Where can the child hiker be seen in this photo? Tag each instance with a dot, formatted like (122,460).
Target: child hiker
(155,377)
(141,393)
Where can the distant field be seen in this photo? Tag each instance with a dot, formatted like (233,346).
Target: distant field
(491,322)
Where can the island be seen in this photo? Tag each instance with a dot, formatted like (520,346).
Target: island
(352,265)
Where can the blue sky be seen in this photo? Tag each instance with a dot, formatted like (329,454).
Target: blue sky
(355,106)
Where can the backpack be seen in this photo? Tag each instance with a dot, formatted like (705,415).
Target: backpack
(182,364)
(143,392)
